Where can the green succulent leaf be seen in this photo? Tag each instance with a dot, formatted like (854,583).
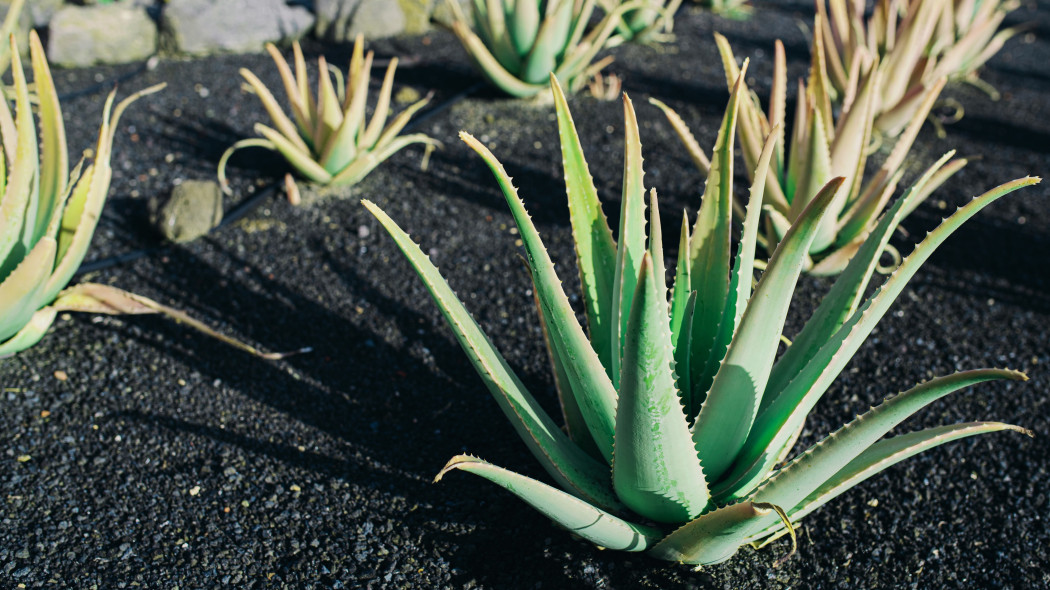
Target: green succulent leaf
(819,464)
(30,334)
(710,250)
(712,537)
(655,469)
(631,246)
(20,291)
(15,209)
(595,247)
(54,163)
(564,461)
(696,153)
(587,377)
(847,293)
(569,512)
(885,454)
(733,401)
(775,425)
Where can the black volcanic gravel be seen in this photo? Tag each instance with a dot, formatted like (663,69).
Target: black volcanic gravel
(139,454)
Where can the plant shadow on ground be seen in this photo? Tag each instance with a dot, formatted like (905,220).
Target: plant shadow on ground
(376,398)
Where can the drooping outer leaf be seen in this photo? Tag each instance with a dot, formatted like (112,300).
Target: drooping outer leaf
(887,453)
(579,517)
(368,160)
(595,247)
(302,162)
(578,473)
(712,537)
(808,472)
(97,298)
(631,246)
(587,377)
(655,469)
(726,417)
(30,334)
(776,424)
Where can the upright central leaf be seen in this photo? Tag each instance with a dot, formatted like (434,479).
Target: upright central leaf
(656,472)
(710,250)
(632,235)
(595,247)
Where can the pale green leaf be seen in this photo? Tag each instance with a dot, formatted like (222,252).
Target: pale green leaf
(587,377)
(572,468)
(655,469)
(593,240)
(575,515)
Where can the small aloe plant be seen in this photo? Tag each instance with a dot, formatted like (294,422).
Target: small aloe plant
(48,215)
(735,9)
(330,142)
(678,412)
(652,23)
(824,145)
(917,42)
(517,45)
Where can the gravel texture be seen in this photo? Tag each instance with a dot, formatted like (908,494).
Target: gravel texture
(139,454)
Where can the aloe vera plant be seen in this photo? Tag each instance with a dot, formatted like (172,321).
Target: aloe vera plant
(824,144)
(649,24)
(736,9)
(917,42)
(678,411)
(48,215)
(518,44)
(330,141)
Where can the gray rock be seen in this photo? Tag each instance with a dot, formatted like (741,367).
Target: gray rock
(342,20)
(377,18)
(417,14)
(333,18)
(443,14)
(110,33)
(238,26)
(41,10)
(192,210)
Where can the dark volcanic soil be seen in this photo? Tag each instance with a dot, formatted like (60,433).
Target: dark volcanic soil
(168,460)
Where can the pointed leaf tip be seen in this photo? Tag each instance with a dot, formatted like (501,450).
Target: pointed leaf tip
(452,464)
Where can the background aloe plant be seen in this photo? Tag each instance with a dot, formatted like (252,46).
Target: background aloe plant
(824,144)
(650,24)
(917,44)
(678,412)
(736,9)
(517,45)
(330,142)
(48,216)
